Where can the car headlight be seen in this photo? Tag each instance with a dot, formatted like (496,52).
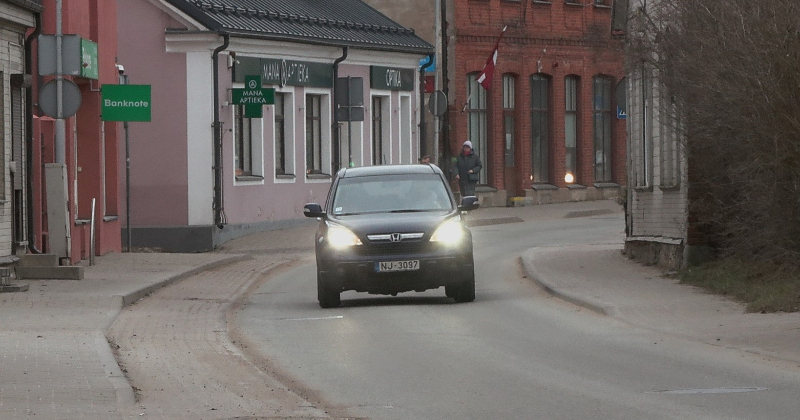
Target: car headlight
(450,232)
(341,237)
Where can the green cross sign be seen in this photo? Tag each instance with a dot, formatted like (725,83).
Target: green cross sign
(253,96)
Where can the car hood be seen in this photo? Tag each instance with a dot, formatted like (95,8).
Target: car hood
(383,223)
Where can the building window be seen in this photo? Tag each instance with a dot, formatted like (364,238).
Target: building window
(2,139)
(313,134)
(378,152)
(643,162)
(509,106)
(477,122)
(243,148)
(602,129)
(571,129)
(540,128)
(670,157)
(284,140)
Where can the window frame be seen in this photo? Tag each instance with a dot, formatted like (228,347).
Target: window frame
(602,127)
(476,95)
(572,111)
(323,142)
(540,153)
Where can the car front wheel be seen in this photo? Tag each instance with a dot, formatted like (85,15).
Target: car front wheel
(327,296)
(463,291)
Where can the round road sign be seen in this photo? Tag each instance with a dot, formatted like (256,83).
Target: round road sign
(71,99)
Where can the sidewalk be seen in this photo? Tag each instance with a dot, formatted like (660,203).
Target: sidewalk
(602,279)
(54,357)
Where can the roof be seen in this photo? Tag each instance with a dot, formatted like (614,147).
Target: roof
(32,5)
(330,22)
(389,170)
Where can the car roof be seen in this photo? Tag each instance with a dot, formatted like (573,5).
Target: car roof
(389,170)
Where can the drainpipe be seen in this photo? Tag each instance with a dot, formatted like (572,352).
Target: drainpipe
(422,124)
(335,127)
(219,212)
(29,134)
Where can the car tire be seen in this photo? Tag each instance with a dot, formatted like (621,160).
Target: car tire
(327,296)
(465,291)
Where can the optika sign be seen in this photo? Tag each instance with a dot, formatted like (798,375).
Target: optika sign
(126,104)
(393,79)
(388,78)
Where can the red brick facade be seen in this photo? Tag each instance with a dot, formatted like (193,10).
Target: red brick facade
(555,39)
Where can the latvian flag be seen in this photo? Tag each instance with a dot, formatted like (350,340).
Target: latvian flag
(486,75)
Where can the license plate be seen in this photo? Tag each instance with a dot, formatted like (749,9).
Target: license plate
(390,266)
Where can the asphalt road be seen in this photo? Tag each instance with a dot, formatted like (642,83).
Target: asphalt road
(514,353)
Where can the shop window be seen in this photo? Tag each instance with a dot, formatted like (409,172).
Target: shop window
(284,137)
(247,144)
(318,148)
(380,130)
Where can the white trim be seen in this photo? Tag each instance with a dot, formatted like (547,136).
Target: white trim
(176,14)
(325,132)
(199,140)
(386,123)
(406,112)
(290,124)
(256,150)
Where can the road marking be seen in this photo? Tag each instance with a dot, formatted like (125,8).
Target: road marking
(711,390)
(311,319)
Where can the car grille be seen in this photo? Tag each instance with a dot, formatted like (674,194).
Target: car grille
(395,248)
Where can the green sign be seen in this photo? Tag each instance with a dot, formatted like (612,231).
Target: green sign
(390,78)
(89,67)
(253,96)
(285,72)
(125,102)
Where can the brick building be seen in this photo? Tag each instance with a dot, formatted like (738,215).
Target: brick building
(548,129)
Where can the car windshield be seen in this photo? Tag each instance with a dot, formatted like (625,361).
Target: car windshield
(391,193)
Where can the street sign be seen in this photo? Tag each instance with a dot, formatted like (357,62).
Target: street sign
(78,56)
(253,96)
(125,103)
(71,99)
(438,104)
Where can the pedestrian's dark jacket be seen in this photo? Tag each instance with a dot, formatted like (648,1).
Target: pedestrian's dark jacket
(466,162)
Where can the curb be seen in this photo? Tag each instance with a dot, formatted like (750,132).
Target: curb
(126,397)
(128,299)
(598,307)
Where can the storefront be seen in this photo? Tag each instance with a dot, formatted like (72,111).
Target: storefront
(289,111)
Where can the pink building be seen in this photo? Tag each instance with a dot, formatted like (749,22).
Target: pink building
(205,169)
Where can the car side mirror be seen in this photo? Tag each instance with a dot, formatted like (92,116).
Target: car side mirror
(469,203)
(313,210)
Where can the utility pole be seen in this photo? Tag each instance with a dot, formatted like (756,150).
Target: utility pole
(445,86)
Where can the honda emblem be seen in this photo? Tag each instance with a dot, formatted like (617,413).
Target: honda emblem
(396,237)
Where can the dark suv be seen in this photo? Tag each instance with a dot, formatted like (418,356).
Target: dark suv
(392,229)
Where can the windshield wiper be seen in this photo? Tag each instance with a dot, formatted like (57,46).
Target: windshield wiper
(414,210)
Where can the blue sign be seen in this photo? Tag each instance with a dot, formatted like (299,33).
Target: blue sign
(431,68)
(622,113)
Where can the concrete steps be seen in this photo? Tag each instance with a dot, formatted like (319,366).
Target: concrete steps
(46,266)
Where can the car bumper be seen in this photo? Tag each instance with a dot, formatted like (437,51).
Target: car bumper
(347,271)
